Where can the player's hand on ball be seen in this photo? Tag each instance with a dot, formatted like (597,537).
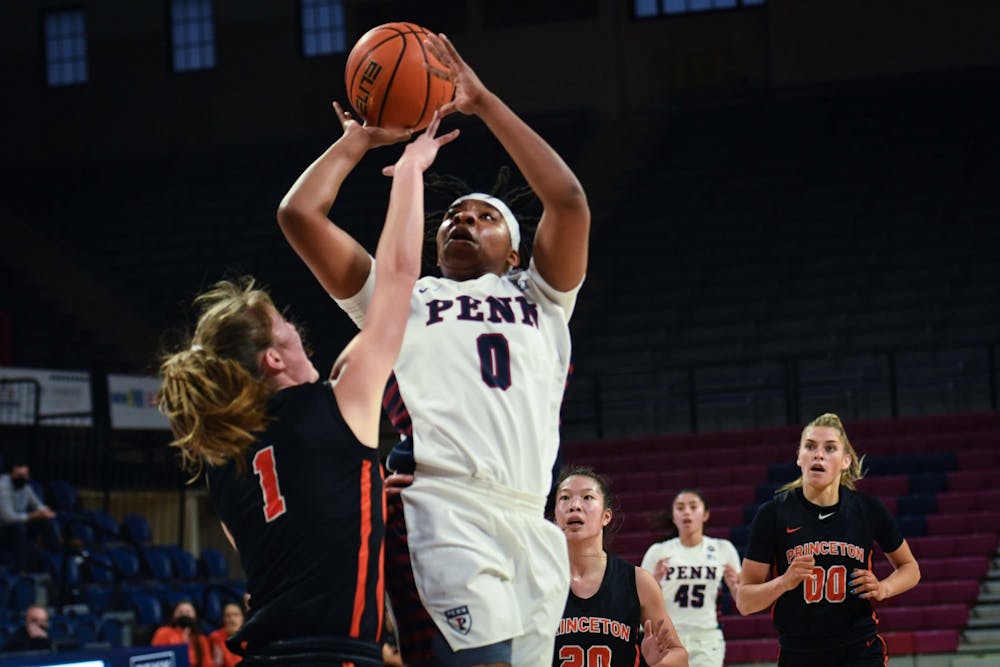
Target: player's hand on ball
(375,136)
(469,90)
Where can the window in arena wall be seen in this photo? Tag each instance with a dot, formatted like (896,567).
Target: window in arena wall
(652,8)
(323,30)
(65,47)
(192,34)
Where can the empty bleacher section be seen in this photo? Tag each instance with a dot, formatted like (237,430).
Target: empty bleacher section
(791,249)
(936,474)
(154,232)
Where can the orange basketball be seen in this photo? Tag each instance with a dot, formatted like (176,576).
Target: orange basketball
(387,81)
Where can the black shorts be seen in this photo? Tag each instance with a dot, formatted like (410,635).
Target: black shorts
(869,653)
(314,651)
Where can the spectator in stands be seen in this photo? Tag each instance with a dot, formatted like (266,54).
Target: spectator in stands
(623,597)
(477,386)
(292,463)
(817,535)
(183,628)
(25,519)
(34,634)
(690,568)
(232,621)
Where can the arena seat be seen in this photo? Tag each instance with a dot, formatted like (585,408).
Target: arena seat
(136,528)
(937,569)
(935,641)
(960,523)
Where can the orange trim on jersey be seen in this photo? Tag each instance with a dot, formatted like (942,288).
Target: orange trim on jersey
(638,652)
(366,531)
(380,586)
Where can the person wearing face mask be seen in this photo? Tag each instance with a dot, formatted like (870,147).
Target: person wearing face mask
(34,634)
(24,518)
(183,628)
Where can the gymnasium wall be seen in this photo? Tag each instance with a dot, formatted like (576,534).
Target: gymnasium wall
(599,57)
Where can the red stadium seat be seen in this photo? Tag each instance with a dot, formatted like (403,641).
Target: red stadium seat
(898,643)
(935,641)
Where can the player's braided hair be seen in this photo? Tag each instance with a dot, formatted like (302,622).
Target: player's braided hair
(519,200)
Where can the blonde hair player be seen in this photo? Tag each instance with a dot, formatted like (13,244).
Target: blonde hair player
(291,462)
(478,385)
(690,569)
(817,536)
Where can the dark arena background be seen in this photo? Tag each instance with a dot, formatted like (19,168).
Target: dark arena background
(796,210)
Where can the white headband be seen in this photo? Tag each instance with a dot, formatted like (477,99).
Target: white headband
(512,226)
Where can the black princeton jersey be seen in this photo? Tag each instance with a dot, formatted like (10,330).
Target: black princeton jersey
(602,629)
(307,518)
(820,615)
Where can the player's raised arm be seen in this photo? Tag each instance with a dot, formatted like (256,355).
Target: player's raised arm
(363,367)
(339,262)
(561,241)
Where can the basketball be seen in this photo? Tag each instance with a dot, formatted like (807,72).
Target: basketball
(387,81)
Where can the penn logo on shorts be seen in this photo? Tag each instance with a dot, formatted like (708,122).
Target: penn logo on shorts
(460,619)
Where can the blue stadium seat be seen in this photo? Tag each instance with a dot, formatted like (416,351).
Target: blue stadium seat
(59,565)
(106,529)
(912,525)
(917,503)
(928,482)
(185,565)
(112,631)
(87,629)
(98,567)
(126,563)
(214,564)
(136,528)
(146,606)
(22,594)
(62,630)
(156,563)
(63,496)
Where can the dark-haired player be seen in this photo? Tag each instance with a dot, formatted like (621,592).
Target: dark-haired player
(609,599)
(817,535)
(478,385)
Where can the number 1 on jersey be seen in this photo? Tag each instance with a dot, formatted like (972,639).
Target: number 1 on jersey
(263,466)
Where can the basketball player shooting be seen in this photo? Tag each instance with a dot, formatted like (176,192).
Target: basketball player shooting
(480,379)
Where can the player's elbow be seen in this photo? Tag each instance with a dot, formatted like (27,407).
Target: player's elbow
(289,213)
(744,608)
(571,199)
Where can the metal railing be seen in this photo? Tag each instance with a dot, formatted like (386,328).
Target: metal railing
(776,392)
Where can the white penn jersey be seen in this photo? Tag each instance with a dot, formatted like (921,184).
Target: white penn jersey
(482,372)
(694,576)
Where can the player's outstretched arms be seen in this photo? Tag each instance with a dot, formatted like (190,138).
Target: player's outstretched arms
(337,261)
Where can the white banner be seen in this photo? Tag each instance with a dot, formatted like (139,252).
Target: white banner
(62,393)
(132,400)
